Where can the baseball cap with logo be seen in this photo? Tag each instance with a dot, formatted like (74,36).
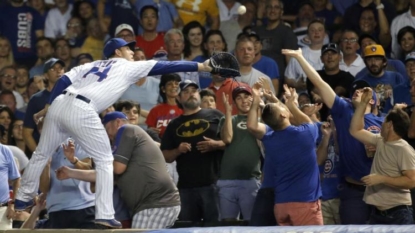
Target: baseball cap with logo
(187,83)
(374,50)
(116,43)
(123,26)
(330,47)
(113,116)
(410,57)
(241,89)
(50,63)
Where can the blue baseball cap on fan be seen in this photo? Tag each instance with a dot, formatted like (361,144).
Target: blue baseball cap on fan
(116,43)
(113,116)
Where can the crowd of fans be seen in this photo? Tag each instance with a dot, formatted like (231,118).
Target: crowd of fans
(317,129)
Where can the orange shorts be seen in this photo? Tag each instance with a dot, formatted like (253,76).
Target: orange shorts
(298,213)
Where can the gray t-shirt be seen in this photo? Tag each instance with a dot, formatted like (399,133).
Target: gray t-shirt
(145,184)
(274,40)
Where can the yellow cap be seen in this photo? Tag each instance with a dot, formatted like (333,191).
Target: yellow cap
(374,50)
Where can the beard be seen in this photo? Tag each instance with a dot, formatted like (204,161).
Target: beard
(375,70)
(191,104)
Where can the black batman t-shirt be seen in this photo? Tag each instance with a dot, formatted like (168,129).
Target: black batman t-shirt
(195,169)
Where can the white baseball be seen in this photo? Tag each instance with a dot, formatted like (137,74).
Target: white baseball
(241,10)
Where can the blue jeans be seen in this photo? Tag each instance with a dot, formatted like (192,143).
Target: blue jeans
(199,203)
(263,210)
(353,210)
(237,196)
(400,215)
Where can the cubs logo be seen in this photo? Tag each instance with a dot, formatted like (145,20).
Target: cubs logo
(373,49)
(192,128)
(328,166)
(373,129)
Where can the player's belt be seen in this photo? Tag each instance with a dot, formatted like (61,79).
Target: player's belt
(80,97)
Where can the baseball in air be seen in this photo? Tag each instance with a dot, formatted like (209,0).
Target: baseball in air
(241,10)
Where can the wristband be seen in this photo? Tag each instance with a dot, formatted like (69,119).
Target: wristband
(76,161)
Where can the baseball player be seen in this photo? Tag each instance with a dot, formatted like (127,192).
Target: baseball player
(77,98)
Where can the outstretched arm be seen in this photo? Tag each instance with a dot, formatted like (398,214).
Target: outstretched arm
(256,128)
(68,173)
(358,121)
(324,90)
(166,67)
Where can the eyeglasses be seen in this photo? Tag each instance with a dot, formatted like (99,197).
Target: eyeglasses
(351,41)
(9,76)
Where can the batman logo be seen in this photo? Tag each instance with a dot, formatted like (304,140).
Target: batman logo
(192,128)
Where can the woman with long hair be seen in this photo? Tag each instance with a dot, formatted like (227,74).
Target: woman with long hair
(214,41)
(6,53)
(193,33)
(406,40)
(6,118)
(159,117)
(16,136)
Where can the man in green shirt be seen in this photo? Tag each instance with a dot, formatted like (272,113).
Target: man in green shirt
(239,182)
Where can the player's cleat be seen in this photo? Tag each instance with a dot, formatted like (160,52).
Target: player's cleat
(111,223)
(23,205)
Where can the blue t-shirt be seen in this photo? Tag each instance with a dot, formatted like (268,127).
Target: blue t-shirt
(77,194)
(393,65)
(353,160)
(267,66)
(8,171)
(292,154)
(19,25)
(330,171)
(36,103)
(205,78)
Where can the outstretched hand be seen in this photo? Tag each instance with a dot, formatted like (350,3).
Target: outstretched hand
(292,53)
(69,151)
(290,95)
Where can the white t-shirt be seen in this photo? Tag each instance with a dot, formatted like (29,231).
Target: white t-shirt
(294,70)
(252,77)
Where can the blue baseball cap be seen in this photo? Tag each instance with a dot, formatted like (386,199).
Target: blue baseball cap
(113,116)
(116,43)
(187,83)
(50,63)
(360,84)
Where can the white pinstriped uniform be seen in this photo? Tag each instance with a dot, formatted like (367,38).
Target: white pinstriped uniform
(69,116)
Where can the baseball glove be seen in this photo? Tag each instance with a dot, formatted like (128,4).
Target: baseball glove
(225,65)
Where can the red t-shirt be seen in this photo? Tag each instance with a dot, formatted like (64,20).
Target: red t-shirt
(154,48)
(160,116)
